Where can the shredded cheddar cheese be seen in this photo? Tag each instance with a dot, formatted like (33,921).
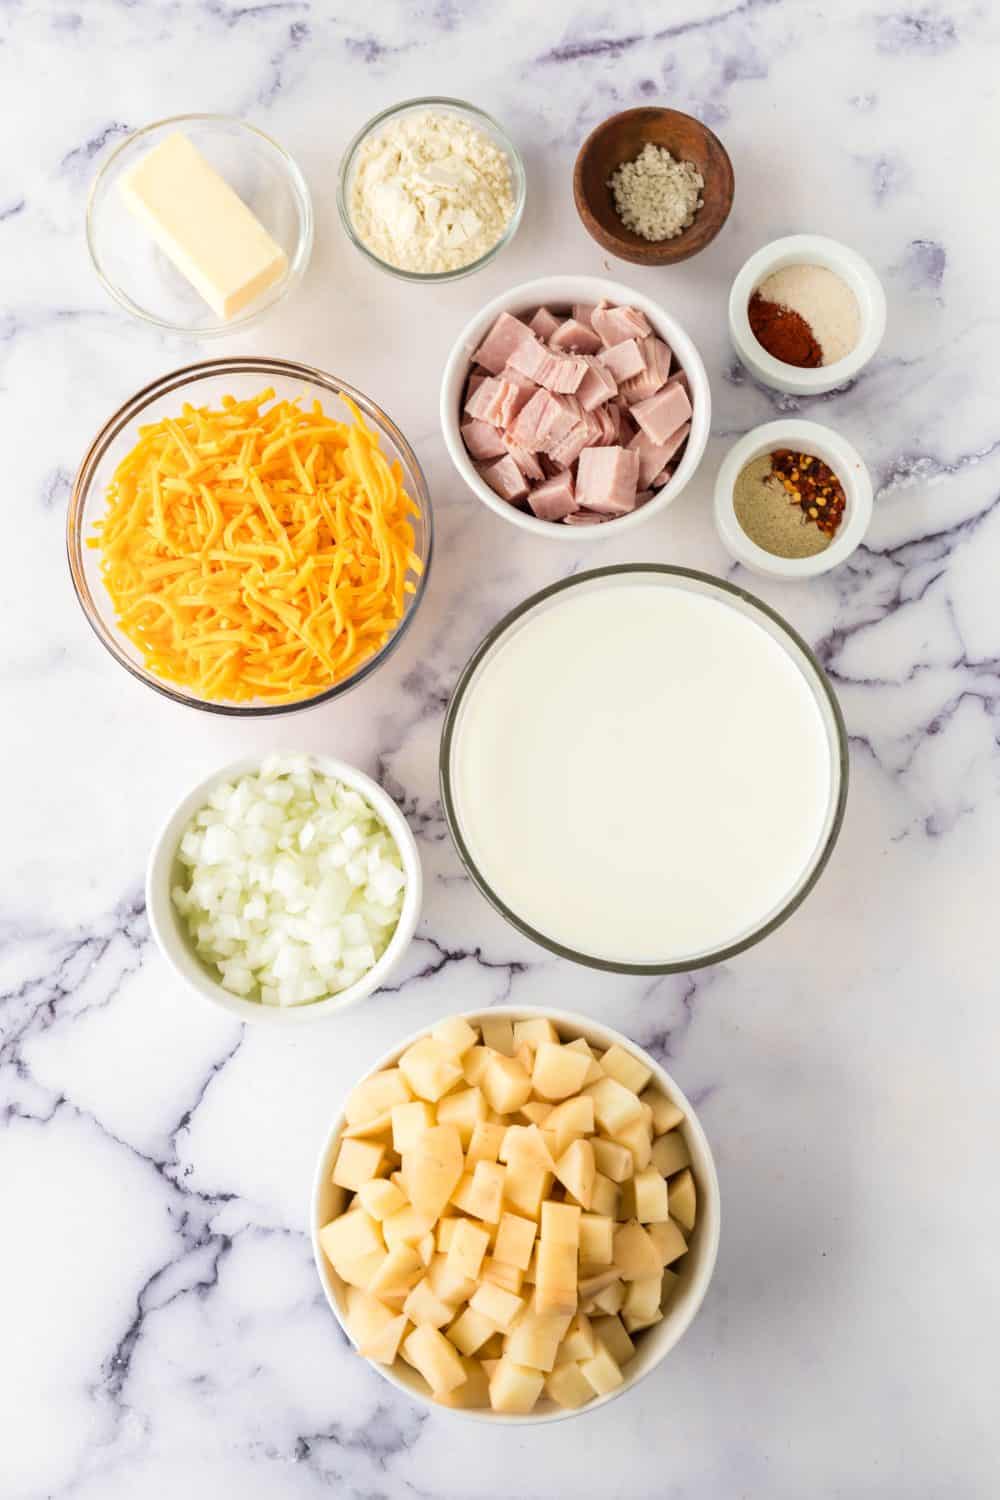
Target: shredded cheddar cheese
(257,552)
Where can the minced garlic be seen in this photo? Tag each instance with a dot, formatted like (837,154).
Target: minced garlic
(655,195)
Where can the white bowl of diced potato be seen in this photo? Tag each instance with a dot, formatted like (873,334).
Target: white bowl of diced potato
(515,1216)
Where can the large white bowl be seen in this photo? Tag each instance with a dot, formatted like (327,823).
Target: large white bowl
(171,933)
(558,291)
(652,1344)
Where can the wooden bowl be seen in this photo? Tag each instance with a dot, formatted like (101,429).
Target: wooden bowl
(619,139)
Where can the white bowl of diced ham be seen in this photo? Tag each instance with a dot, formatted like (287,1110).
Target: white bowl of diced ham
(572,402)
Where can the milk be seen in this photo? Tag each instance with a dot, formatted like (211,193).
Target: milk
(641,773)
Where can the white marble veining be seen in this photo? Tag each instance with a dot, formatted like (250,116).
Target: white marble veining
(161,1326)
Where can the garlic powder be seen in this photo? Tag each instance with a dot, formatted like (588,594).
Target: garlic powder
(431,193)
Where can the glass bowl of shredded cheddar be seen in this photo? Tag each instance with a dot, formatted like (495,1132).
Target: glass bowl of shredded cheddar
(250,536)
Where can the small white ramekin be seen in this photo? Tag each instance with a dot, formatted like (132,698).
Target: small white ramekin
(652,1344)
(805,437)
(171,935)
(811,250)
(564,291)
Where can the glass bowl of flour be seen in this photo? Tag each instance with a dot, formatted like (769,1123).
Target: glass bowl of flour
(431,189)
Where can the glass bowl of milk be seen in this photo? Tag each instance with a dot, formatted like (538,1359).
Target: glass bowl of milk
(644,769)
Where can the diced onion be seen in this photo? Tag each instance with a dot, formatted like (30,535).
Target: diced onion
(293,884)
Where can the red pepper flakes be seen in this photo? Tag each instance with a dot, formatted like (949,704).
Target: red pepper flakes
(812,485)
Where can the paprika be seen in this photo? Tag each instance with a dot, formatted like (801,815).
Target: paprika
(783,333)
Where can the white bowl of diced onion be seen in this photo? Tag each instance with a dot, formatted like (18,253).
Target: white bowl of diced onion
(293,919)
(692,1273)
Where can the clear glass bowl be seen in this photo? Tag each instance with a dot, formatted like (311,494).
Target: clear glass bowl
(136,271)
(798,653)
(475,117)
(203,384)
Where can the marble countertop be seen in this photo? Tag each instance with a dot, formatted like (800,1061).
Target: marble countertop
(162,1325)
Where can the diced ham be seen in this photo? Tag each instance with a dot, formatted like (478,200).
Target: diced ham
(482,440)
(578,338)
(657,357)
(607,480)
(543,419)
(643,498)
(548,367)
(544,324)
(524,382)
(586,433)
(664,478)
(608,418)
(473,383)
(597,386)
(663,413)
(583,518)
(496,401)
(501,341)
(506,478)
(554,498)
(583,312)
(614,324)
(680,378)
(654,457)
(526,462)
(624,360)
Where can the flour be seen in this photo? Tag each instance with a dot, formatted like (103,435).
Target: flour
(431,193)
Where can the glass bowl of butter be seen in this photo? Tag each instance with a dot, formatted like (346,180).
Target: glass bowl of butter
(199,224)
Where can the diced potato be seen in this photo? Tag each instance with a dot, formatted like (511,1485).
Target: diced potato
(635,1253)
(376,1095)
(642,1304)
(350,1237)
(498,1033)
(446,1285)
(531,1271)
(365,1315)
(470,1331)
(425,1248)
(493,1348)
(536,1111)
(380,1198)
(669,1241)
(561,1224)
(594,1071)
(464,1109)
(378,1125)
(650,1196)
(489,1363)
(456,1034)
(357,1162)
(445,1233)
(614,1106)
(363,1271)
(421,1306)
(515,1240)
(576,1170)
(474,1064)
(497,1304)
(601,1371)
(409,1121)
(635,1137)
(665,1113)
(604,1198)
(439,1362)
(556,1283)
(670,1284)
(525,1188)
(613,1160)
(611,1299)
(480,1193)
(578,1341)
(401,1269)
(670,1153)
(485,1143)
(383,1348)
(515,1388)
(511,1278)
(468,1247)
(430,1069)
(590,1286)
(534,1031)
(506,1085)
(534,1340)
(596,1239)
(610,1332)
(528,1144)
(568,1387)
(683,1199)
(432,1168)
(406,1226)
(559,1071)
(626,1068)
(525,1056)
(473,1392)
(569,1121)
